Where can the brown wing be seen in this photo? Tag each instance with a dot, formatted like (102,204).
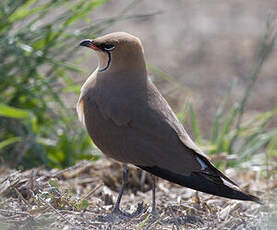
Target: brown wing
(140,128)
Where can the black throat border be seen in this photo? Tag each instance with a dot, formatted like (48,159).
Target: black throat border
(109,62)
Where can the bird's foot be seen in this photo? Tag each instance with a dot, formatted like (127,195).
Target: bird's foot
(155,213)
(117,214)
(125,215)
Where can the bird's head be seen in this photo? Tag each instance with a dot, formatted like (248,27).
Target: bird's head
(118,51)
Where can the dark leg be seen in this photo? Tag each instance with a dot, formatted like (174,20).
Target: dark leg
(116,212)
(154,210)
(124,180)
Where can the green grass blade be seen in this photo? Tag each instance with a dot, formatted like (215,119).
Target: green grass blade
(11,112)
(182,115)
(226,128)
(220,112)
(195,126)
(266,48)
(9,141)
(167,77)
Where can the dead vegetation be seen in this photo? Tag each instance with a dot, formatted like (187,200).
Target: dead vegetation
(74,198)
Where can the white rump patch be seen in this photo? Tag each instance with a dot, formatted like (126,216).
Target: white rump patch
(227,183)
(202,163)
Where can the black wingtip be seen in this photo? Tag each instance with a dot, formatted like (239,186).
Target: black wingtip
(199,182)
(255,199)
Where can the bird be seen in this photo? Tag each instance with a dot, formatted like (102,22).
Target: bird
(130,121)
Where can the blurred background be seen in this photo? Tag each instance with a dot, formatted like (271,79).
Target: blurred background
(214,61)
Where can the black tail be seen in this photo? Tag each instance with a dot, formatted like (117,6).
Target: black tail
(201,183)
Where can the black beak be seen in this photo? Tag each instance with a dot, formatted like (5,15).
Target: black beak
(87,43)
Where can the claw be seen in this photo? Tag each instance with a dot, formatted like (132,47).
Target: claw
(155,213)
(117,214)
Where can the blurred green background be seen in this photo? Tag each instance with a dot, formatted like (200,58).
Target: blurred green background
(42,69)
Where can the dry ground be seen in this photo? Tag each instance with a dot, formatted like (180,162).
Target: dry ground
(74,199)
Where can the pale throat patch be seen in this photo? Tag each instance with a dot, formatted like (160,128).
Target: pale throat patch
(104,59)
(80,111)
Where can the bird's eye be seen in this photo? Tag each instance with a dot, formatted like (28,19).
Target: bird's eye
(108,46)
